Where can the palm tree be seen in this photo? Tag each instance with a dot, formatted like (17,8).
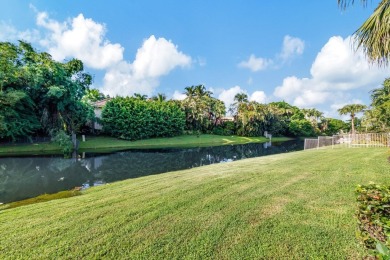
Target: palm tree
(140,97)
(200,91)
(190,91)
(160,97)
(373,36)
(239,98)
(380,96)
(352,109)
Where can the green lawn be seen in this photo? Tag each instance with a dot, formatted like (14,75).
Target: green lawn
(107,144)
(297,205)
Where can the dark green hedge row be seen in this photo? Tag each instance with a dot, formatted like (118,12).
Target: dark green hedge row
(134,119)
(374,218)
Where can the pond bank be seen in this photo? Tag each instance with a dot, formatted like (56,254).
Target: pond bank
(110,144)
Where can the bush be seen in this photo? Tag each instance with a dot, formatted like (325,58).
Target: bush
(134,119)
(64,141)
(226,128)
(374,218)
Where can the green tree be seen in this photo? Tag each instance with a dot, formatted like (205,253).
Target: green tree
(378,117)
(373,35)
(160,97)
(93,95)
(203,112)
(51,91)
(352,110)
(140,96)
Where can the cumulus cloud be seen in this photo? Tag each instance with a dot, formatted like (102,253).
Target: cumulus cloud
(336,70)
(292,46)
(82,38)
(177,95)
(155,58)
(85,39)
(227,95)
(254,63)
(258,96)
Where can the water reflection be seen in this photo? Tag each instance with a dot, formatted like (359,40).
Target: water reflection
(28,177)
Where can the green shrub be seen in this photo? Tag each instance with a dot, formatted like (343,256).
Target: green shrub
(134,119)
(64,141)
(374,218)
(226,128)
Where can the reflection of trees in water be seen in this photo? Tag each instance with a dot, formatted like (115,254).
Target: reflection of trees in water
(22,178)
(132,164)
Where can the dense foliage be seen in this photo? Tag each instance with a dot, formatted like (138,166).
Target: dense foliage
(133,118)
(39,95)
(377,118)
(374,218)
(203,112)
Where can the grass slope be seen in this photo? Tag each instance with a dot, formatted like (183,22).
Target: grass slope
(106,144)
(289,206)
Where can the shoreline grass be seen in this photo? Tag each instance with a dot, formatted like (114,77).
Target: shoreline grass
(110,144)
(288,206)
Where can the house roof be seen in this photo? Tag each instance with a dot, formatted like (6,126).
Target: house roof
(100,103)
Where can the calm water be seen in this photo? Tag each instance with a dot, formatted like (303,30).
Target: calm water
(26,177)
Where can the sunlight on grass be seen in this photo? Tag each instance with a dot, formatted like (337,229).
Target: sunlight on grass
(297,205)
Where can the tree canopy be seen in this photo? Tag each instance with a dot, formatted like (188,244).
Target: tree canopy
(39,95)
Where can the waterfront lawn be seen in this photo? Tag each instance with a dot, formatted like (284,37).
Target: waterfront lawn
(183,141)
(296,205)
(110,144)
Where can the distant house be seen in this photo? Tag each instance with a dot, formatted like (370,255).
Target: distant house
(227,118)
(97,108)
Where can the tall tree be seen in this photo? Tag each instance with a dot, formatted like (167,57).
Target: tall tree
(160,97)
(239,99)
(50,91)
(352,110)
(140,96)
(373,36)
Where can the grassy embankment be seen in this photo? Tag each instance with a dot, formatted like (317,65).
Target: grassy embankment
(289,206)
(105,144)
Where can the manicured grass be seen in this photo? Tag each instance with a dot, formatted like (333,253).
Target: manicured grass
(297,205)
(183,141)
(108,144)
(30,149)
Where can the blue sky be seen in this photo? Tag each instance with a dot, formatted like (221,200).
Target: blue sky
(297,51)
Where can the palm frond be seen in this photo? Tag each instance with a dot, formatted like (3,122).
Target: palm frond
(343,4)
(374,35)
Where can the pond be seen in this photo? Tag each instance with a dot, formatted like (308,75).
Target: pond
(27,177)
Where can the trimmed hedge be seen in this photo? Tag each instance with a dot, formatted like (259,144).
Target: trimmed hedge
(134,119)
(374,218)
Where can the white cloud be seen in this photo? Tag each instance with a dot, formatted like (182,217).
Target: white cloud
(227,96)
(155,58)
(336,70)
(81,38)
(258,96)
(177,95)
(85,39)
(255,64)
(292,46)
(8,33)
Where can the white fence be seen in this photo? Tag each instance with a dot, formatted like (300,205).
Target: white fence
(349,140)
